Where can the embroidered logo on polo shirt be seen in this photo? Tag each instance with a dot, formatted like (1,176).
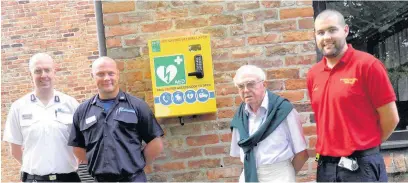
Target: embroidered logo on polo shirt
(349,80)
(122,109)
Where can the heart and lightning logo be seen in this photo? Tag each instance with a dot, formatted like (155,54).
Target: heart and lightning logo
(166,74)
(170,70)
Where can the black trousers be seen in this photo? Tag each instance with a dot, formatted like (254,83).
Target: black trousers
(65,177)
(371,169)
(136,177)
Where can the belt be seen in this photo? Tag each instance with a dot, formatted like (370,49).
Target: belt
(111,177)
(108,177)
(355,154)
(49,177)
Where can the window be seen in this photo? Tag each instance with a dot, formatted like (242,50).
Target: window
(380,28)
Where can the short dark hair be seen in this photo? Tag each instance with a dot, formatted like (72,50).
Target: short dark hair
(330,12)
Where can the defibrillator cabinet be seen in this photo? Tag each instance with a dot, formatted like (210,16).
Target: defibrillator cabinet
(182,76)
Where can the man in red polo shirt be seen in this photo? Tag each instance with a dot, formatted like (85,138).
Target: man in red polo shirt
(354,105)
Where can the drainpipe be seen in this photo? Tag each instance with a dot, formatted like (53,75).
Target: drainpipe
(100,28)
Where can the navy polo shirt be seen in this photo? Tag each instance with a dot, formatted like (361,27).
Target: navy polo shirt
(113,139)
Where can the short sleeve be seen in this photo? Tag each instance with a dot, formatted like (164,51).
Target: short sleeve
(76,138)
(148,125)
(235,149)
(379,87)
(296,132)
(12,130)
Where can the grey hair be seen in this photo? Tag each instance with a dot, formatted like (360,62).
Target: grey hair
(37,57)
(330,12)
(249,69)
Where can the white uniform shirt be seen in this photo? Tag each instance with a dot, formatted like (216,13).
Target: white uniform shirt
(43,133)
(282,144)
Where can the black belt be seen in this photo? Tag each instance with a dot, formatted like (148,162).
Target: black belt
(49,177)
(112,177)
(108,177)
(355,154)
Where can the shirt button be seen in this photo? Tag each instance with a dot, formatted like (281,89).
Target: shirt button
(106,135)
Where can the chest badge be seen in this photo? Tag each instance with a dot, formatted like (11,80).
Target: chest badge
(122,109)
(90,119)
(27,116)
(350,81)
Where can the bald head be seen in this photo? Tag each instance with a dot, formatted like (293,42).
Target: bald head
(329,13)
(103,61)
(39,57)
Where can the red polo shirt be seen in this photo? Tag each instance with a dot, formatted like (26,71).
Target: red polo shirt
(345,99)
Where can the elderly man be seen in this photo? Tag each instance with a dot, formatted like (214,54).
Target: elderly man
(38,125)
(266,131)
(354,105)
(109,128)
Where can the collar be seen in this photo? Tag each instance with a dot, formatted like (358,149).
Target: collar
(57,99)
(343,60)
(120,97)
(264,104)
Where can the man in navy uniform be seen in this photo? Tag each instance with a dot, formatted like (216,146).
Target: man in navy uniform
(109,129)
(38,125)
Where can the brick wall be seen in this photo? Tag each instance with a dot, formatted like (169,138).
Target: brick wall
(64,29)
(277,36)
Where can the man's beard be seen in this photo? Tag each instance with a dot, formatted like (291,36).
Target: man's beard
(336,50)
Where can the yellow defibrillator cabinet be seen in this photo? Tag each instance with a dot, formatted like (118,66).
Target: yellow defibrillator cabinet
(182,76)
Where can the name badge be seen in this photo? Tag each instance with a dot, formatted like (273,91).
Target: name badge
(27,116)
(90,119)
(60,110)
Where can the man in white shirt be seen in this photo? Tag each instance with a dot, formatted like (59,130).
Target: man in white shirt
(267,133)
(38,126)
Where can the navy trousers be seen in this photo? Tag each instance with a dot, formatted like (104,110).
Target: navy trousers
(371,169)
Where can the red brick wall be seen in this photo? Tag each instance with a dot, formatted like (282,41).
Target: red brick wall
(64,29)
(277,36)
